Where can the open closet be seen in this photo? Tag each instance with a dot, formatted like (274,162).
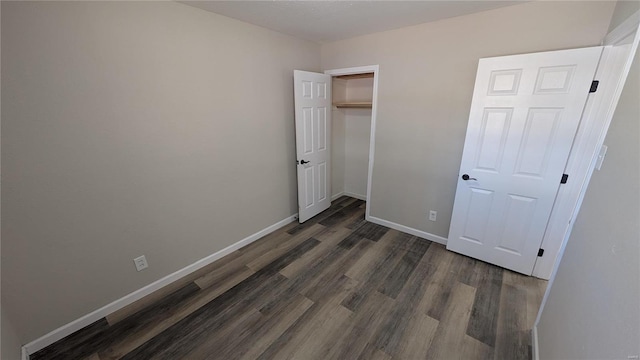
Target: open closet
(352,97)
(335,116)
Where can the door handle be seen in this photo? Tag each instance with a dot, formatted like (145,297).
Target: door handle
(304,162)
(466,177)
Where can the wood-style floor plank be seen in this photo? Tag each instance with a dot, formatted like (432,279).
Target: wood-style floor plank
(318,345)
(378,355)
(407,306)
(328,240)
(275,325)
(445,279)
(423,329)
(450,334)
(275,253)
(350,342)
(335,287)
(362,269)
(75,346)
(475,349)
(317,268)
(222,342)
(146,324)
(484,315)
(374,272)
(341,214)
(239,263)
(316,289)
(399,275)
(531,287)
(513,339)
(313,319)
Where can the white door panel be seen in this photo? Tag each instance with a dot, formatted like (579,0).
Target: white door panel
(313,126)
(524,115)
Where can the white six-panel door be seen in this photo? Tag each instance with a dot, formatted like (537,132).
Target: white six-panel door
(313,140)
(524,116)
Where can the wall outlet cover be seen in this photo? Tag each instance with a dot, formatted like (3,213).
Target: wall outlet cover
(141,263)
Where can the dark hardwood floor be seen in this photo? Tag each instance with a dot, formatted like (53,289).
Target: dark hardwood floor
(335,287)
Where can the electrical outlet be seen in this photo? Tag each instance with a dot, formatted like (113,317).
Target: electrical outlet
(433,215)
(141,263)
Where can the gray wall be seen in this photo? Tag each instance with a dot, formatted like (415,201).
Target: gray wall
(9,342)
(11,346)
(426,82)
(133,128)
(592,310)
(623,10)
(357,134)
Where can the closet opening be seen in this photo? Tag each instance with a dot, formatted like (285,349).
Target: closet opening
(354,94)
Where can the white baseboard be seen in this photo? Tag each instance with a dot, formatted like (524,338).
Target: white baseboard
(350,194)
(356,196)
(534,343)
(408,230)
(108,309)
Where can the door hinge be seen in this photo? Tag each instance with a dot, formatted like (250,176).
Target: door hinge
(540,252)
(564,179)
(594,86)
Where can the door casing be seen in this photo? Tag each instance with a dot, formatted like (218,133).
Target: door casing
(619,47)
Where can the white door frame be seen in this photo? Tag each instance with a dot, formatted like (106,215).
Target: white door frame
(612,72)
(626,33)
(375,69)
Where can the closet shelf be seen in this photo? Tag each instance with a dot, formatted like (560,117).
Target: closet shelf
(355,76)
(353,104)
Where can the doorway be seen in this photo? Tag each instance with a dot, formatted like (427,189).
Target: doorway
(354,110)
(322,153)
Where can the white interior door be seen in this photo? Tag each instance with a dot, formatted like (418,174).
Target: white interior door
(313,131)
(524,116)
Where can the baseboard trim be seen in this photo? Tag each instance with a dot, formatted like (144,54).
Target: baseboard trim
(116,305)
(408,230)
(354,195)
(350,194)
(534,343)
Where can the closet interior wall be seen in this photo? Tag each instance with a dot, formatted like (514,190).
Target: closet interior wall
(351,136)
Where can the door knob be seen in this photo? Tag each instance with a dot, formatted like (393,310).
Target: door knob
(466,177)
(304,162)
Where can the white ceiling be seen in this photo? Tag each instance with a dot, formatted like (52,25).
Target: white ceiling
(327,21)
